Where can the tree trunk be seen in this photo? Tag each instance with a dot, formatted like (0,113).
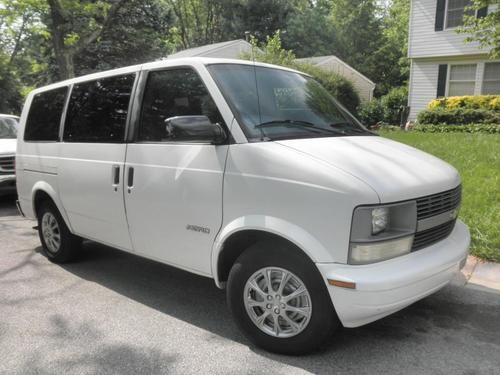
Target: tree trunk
(63,55)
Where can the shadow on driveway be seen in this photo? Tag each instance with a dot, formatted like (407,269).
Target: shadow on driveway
(8,205)
(431,334)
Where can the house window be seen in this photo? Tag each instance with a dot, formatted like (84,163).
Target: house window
(491,79)
(462,80)
(455,12)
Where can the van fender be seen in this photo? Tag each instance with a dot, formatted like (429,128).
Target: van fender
(282,228)
(47,188)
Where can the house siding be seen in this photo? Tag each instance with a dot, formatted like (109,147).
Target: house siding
(362,84)
(425,42)
(424,76)
(423,85)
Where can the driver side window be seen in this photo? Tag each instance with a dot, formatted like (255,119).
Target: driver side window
(170,93)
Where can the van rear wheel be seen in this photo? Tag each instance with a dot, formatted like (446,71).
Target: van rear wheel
(58,243)
(279,300)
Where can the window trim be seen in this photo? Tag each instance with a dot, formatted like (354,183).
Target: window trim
(448,73)
(489,80)
(445,23)
(139,99)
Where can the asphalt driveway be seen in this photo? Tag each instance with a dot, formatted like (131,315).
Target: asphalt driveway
(115,313)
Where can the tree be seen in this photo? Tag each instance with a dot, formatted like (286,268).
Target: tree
(310,32)
(198,22)
(485,30)
(257,17)
(74,25)
(9,86)
(389,63)
(139,25)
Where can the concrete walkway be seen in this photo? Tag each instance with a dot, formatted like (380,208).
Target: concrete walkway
(479,274)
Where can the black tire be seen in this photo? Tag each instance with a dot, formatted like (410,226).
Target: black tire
(323,319)
(70,244)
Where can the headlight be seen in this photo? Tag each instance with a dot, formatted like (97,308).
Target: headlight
(382,232)
(380,219)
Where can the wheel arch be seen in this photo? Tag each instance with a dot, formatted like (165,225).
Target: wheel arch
(42,191)
(241,233)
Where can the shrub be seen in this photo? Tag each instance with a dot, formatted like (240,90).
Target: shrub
(371,113)
(457,116)
(393,102)
(486,102)
(469,128)
(339,87)
(387,109)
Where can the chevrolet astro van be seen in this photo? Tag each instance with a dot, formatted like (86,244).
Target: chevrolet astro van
(249,174)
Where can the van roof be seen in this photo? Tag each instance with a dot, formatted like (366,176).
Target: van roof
(156,65)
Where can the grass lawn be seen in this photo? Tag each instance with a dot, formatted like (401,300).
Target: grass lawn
(477,158)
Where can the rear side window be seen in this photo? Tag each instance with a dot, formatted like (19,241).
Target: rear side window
(169,93)
(97,110)
(44,116)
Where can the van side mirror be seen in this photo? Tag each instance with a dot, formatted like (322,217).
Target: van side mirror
(194,129)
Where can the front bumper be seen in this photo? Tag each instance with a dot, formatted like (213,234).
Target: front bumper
(386,287)
(7,183)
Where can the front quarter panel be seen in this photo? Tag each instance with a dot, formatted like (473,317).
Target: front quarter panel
(274,188)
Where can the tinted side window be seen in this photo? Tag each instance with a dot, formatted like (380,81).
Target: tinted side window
(44,116)
(97,110)
(169,93)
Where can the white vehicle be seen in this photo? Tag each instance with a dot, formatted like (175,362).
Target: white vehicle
(8,136)
(250,174)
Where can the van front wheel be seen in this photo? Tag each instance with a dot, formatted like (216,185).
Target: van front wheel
(278,299)
(59,245)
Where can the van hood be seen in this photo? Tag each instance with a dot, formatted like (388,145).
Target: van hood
(8,146)
(395,171)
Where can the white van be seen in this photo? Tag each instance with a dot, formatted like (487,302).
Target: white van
(8,135)
(250,174)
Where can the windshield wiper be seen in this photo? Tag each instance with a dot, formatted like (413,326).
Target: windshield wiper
(347,127)
(306,125)
(269,124)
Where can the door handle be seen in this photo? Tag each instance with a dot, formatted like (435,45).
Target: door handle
(115,171)
(130,179)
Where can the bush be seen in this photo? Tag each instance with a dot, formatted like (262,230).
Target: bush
(387,109)
(457,116)
(486,102)
(470,128)
(393,102)
(371,113)
(272,52)
(339,87)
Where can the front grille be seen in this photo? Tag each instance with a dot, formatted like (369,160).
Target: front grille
(7,164)
(431,236)
(436,204)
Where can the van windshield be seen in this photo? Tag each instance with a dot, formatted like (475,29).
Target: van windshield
(8,128)
(275,104)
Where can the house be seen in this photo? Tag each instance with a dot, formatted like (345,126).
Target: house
(363,85)
(442,64)
(234,48)
(231,49)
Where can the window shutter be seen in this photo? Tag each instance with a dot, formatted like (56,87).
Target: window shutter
(439,22)
(441,83)
(482,12)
